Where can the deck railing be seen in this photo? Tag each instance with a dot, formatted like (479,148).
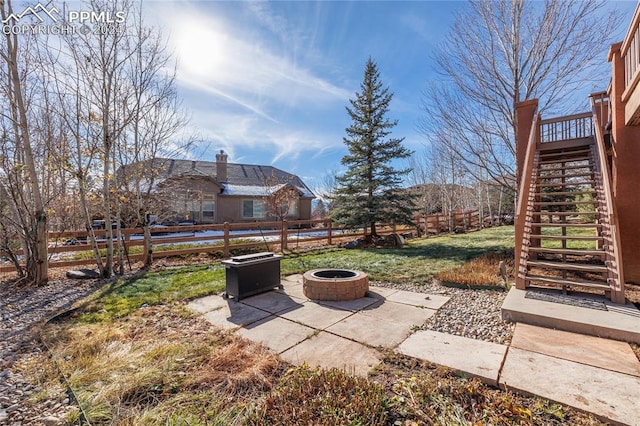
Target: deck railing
(631,53)
(565,128)
(610,231)
(524,212)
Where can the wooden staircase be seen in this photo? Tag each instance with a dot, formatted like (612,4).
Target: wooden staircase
(565,224)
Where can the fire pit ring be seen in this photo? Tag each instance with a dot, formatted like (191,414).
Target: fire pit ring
(335,284)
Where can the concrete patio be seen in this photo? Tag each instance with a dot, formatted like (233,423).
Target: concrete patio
(593,374)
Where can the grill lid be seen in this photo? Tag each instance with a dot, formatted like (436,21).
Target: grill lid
(253,256)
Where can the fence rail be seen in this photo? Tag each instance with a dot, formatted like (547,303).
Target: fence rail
(226,238)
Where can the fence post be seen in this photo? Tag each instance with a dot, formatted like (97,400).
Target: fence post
(329,229)
(284,236)
(226,240)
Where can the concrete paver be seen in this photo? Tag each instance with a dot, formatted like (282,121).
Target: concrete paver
(234,314)
(608,394)
(350,305)
(593,374)
(293,290)
(371,331)
(431,301)
(604,353)
(207,303)
(403,315)
(619,322)
(272,301)
(276,333)
(291,279)
(329,351)
(380,292)
(475,357)
(315,315)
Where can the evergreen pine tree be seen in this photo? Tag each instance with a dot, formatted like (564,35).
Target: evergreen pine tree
(369,191)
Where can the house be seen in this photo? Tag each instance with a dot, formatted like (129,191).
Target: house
(217,192)
(589,239)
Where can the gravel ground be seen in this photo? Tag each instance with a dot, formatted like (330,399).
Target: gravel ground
(468,313)
(23,310)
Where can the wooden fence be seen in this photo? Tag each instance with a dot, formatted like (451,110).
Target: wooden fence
(443,223)
(71,249)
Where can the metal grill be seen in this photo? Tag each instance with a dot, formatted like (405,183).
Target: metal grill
(251,274)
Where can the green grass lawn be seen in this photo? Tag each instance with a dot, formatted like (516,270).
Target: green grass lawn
(154,288)
(417,262)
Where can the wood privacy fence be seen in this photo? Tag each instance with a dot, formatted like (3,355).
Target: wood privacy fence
(456,222)
(72,249)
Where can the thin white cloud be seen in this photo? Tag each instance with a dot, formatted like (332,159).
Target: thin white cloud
(210,51)
(211,90)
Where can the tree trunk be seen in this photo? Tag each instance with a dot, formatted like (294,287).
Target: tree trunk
(107,272)
(148,244)
(38,267)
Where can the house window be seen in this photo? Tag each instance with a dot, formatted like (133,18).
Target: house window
(290,207)
(253,208)
(208,207)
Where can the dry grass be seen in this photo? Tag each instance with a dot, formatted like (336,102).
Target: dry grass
(162,365)
(422,393)
(315,396)
(481,271)
(145,369)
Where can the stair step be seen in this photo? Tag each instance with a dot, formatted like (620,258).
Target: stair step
(563,203)
(542,194)
(566,176)
(565,152)
(567,225)
(583,267)
(563,160)
(565,281)
(552,169)
(547,213)
(549,184)
(567,237)
(573,252)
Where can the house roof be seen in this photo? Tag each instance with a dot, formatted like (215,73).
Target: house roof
(242,179)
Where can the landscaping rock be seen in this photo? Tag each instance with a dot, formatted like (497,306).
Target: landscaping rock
(395,240)
(51,421)
(83,274)
(468,313)
(23,309)
(354,244)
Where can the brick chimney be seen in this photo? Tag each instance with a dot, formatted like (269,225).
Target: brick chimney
(221,166)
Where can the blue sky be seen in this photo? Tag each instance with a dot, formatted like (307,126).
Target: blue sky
(268,82)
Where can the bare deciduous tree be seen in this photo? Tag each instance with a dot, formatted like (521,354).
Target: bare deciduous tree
(156,118)
(22,184)
(499,53)
(282,198)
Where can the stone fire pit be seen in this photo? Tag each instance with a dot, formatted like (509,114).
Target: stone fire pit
(335,284)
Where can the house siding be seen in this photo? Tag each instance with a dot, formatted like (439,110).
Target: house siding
(197,190)
(229,209)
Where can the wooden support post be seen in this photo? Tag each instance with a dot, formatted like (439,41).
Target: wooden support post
(329,231)
(226,251)
(284,236)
